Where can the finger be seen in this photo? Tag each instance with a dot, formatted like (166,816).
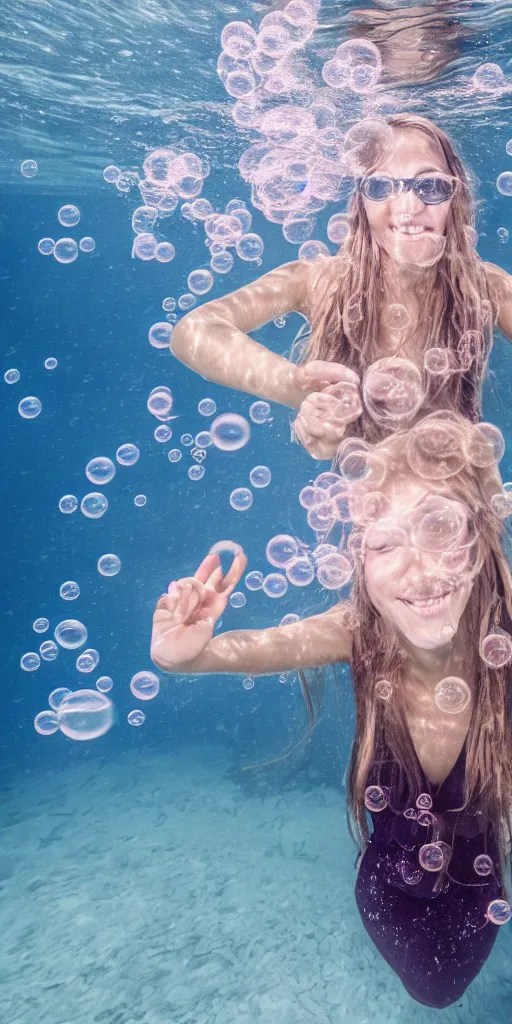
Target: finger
(209,563)
(299,428)
(215,578)
(331,373)
(234,575)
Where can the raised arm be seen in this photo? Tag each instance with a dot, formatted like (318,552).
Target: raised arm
(502,284)
(213,340)
(312,642)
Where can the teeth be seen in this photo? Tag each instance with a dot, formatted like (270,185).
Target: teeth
(409,229)
(430,602)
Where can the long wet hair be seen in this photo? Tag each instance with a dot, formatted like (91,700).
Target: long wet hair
(376,654)
(349,297)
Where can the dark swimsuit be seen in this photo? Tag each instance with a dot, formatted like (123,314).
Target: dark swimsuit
(429,926)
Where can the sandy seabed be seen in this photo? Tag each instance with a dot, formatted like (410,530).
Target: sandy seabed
(154,888)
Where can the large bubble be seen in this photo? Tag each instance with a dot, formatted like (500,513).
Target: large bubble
(435,448)
(70,633)
(65,250)
(496,648)
(145,685)
(100,470)
(452,695)
(485,446)
(85,715)
(69,215)
(392,390)
(230,432)
(94,505)
(29,407)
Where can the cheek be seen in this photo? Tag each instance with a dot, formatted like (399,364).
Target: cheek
(377,214)
(439,217)
(380,581)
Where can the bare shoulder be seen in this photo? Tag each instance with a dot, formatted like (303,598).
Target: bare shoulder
(501,284)
(498,277)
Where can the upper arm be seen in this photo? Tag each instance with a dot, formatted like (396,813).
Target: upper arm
(501,283)
(280,291)
(317,640)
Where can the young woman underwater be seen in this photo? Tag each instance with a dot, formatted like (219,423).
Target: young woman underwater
(406,280)
(427,635)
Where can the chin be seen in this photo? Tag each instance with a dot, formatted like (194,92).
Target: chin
(432,625)
(431,641)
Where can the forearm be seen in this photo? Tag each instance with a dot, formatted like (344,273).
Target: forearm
(219,351)
(309,643)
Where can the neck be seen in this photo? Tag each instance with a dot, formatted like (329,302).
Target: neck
(402,281)
(428,667)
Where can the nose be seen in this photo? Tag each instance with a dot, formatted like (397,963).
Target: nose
(408,203)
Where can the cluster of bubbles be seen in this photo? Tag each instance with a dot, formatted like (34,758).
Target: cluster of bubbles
(299,164)
(436,449)
(228,432)
(29,407)
(168,177)
(65,250)
(83,714)
(101,470)
(394,388)
(434,856)
(305,151)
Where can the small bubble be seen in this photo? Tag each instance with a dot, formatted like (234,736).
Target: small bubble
(69,591)
(69,215)
(50,363)
(207,407)
(136,717)
(46,246)
(65,250)
(452,695)
(375,799)
(145,685)
(431,857)
(40,625)
(499,912)
(29,168)
(49,650)
(87,244)
(94,505)
(29,407)
(46,723)
(127,454)
(424,802)
(139,500)
(11,376)
(68,503)
(30,661)
(483,864)
(109,565)
(104,684)
(383,689)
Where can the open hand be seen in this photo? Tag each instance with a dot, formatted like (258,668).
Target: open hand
(184,618)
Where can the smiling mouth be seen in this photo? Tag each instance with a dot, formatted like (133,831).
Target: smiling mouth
(431,605)
(411,230)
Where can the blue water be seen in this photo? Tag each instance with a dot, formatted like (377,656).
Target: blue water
(145,876)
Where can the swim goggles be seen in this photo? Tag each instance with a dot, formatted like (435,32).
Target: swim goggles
(430,188)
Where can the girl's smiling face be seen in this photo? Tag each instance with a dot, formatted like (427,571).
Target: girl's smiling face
(406,228)
(419,562)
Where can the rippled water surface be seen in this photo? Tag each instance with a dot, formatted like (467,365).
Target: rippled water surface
(87,83)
